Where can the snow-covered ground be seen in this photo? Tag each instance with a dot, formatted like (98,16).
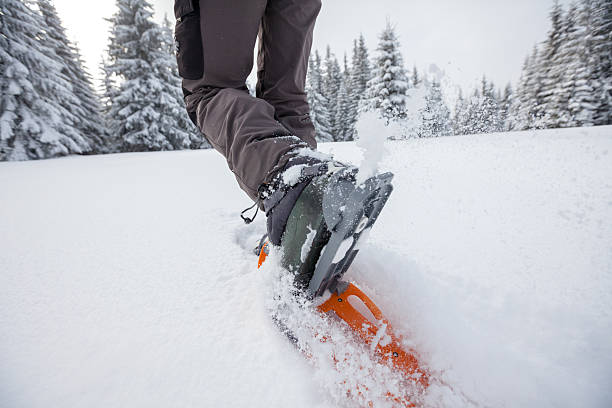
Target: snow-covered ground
(126,280)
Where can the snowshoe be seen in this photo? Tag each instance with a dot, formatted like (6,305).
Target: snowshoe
(322,218)
(319,221)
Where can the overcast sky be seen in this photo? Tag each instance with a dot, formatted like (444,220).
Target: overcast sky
(466,38)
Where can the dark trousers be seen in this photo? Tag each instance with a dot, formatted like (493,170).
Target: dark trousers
(256,135)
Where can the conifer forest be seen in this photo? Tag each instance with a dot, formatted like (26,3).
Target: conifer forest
(50,107)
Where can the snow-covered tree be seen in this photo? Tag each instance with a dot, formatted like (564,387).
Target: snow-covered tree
(526,109)
(505,105)
(319,114)
(489,116)
(346,110)
(459,115)
(146,108)
(435,116)
(580,75)
(472,119)
(558,108)
(331,88)
(82,102)
(107,88)
(415,79)
(361,72)
(387,89)
(601,38)
(173,80)
(549,66)
(33,124)
(568,81)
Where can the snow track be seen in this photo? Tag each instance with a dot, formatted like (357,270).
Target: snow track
(126,280)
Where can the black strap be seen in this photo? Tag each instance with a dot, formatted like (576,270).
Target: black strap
(246,219)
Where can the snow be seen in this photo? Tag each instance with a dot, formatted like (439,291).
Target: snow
(372,132)
(128,280)
(307,244)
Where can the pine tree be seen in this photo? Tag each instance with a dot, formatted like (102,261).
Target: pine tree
(173,81)
(345,113)
(416,80)
(331,88)
(107,88)
(146,109)
(559,105)
(435,116)
(316,99)
(472,121)
(548,67)
(82,102)
(505,106)
(459,115)
(361,72)
(489,117)
(387,89)
(32,122)
(356,79)
(581,71)
(601,48)
(527,109)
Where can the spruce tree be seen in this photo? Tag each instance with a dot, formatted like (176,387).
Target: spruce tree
(356,78)
(346,114)
(559,105)
(146,109)
(527,109)
(472,120)
(319,114)
(581,71)
(505,106)
(33,125)
(82,102)
(331,88)
(361,72)
(387,89)
(601,51)
(435,116)
(107,88)
(489,117)
(173,80)
(459,115)
(548,66)
(415,79)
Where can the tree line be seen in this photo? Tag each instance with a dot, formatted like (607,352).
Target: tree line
(49,106)
(566,81)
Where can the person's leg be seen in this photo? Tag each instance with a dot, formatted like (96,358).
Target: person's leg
(284,47)
(239,126)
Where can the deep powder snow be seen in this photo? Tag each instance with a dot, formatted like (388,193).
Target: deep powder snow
(128,280)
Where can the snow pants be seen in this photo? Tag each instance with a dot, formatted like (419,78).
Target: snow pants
(215,48)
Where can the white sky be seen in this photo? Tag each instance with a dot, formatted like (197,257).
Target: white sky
(465,38)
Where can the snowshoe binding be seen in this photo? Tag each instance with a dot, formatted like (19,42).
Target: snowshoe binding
(323,217)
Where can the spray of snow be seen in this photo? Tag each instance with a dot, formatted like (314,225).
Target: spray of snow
(373,131)
(414,108)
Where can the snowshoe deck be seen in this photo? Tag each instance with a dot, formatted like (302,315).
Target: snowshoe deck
(349,210)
